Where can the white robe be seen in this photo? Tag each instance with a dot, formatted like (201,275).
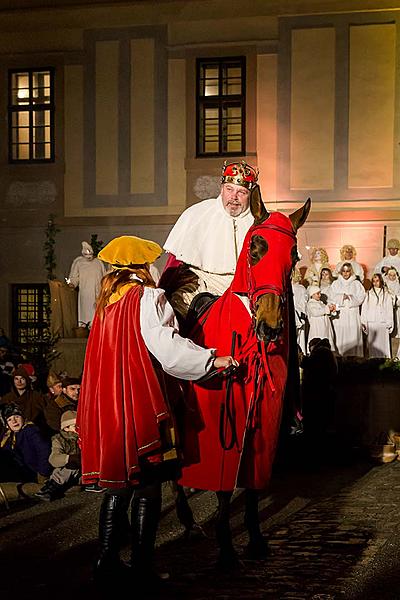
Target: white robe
(394,290)
(300,300)
(377,321)
(325,291)
(357,268)
(347,325)
(178,356)
(87,275)
(320,323)
(388,261)
(208,239)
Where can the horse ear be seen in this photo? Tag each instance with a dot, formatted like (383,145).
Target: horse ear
(257,207)
(299,217)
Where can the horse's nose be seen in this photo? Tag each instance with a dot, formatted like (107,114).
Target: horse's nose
(267,334)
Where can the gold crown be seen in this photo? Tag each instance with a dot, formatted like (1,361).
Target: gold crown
(240,174)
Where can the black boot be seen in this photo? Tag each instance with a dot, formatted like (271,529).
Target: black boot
(50,491)
(257,547)
(144,524)
(112,517)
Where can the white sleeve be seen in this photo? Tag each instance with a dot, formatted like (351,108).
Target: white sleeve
(74,273)
(316,309)
(178,356)
(358,296)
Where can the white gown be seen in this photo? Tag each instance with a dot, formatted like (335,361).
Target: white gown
(178,356)
(347,325)
(87,275)
(300,300)
(388,261)
(377,319)
(394,290)
(320,323)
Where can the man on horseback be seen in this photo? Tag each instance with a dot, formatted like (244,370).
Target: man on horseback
(208,236)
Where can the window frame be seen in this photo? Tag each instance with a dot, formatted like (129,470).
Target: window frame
(31,108)
(42,322)
(221,102)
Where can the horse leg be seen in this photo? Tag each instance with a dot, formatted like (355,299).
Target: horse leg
(227,556)
(185,514)
(257,547)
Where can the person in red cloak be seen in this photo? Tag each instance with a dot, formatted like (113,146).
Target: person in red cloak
(124,422)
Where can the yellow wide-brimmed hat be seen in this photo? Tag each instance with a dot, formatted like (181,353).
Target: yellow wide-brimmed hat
(130,250)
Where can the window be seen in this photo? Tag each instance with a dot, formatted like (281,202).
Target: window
(31,115)
(221,105)
(30,317)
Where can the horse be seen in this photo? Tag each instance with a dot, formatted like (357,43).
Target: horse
(232,424)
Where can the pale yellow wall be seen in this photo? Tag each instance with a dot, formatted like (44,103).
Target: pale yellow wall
(142,116)
(107,69)
(312,109)
(73,128)
(176,132)
(372,104)
(222,29)
(267,125)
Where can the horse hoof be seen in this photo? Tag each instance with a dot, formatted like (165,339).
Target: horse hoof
(257,549)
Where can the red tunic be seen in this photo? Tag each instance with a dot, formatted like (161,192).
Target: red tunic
(121,405)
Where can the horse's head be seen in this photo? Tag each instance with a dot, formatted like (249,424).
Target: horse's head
(268,256)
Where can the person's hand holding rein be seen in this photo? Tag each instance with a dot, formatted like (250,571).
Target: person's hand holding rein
(222,362)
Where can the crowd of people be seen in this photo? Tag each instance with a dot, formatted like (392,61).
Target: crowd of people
(359,317)
(38,441)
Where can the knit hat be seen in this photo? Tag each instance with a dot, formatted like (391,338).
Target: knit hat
(68,418)
(313,289)
(52,379)
(393,243)
(11,409)
(129,250)
(20,371)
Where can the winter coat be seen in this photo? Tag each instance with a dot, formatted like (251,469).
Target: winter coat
(65,450)
(29,448)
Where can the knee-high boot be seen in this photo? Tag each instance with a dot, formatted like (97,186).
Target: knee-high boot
(257,547)
(144,524)
(111,521)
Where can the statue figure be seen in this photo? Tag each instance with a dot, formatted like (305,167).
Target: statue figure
(86,274)
(319,260)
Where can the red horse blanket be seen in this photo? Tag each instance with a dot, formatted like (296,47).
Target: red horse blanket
(257,390)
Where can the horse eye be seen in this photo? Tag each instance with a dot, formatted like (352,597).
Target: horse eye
(258,249)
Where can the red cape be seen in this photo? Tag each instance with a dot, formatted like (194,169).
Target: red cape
(121,403)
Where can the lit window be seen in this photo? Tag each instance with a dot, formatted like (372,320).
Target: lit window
(221,106)
(30,312)
(31,115)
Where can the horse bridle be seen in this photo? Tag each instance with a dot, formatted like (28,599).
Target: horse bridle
(268,287)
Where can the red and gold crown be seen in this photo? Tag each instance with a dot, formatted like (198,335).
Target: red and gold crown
(239,174)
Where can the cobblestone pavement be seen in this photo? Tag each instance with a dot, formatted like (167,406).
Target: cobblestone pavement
(332,532)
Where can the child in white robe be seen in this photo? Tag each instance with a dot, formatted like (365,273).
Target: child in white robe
(318,316)
(377,318)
